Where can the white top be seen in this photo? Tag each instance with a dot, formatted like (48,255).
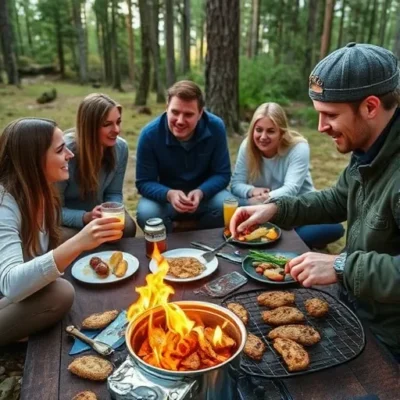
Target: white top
(287,175)
(21,276)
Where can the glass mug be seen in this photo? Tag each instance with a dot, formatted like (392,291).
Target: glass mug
(114,210)
(230,206)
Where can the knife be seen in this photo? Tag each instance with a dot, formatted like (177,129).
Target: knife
(227,256)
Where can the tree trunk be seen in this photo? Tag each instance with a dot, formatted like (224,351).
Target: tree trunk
(7,44)
(26,6)
(114,46)
(169,42)
(383,22)
(59,39)
(355,21)
(155,50)
(185,38)
(222,83)
(129,21)
(396,44)
(372,23)
(310,36)
(81,42)
(255,27)
(326,35)
(364,23)
(143,90)
(20,45)
(342,15)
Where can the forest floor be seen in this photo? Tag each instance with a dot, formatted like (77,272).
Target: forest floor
(326,162)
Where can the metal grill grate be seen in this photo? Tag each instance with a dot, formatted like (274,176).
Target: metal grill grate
(342,335)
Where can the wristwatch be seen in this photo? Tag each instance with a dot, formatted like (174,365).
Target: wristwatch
(339,265)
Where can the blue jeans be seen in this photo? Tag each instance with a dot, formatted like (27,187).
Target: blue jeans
(318,236)
(209,213)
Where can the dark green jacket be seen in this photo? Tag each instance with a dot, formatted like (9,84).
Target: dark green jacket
(368,197)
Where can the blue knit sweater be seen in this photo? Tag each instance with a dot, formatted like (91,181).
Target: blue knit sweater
(163,163)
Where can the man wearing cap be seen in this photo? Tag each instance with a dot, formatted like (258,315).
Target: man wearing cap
(355,91)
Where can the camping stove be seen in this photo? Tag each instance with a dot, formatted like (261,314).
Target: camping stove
(130,383)
(137,380)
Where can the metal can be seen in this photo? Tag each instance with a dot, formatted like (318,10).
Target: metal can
(155,232)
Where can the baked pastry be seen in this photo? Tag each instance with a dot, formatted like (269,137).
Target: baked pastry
(303,334)
(115,259)
(86,395)
(254,347)
(283,316)
(316,307)
(295,356)
(121,268)
(99,320)
(91,367)
(275,299)
(240,311)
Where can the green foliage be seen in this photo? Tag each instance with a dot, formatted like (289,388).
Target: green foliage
(306,116)
(261,81)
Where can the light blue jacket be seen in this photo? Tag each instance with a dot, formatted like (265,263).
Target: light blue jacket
(110,185)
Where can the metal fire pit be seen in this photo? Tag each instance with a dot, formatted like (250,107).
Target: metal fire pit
(135,379)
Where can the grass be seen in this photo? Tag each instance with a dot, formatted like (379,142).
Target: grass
(326,162)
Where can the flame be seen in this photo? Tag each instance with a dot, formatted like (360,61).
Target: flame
(179,343)
(217,337)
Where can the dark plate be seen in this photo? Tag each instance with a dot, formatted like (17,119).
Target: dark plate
(258,242)
(251,271)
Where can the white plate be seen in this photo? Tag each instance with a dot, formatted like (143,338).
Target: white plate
(210,266)
(83,272)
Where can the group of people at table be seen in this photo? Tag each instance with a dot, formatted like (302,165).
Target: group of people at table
(52,184)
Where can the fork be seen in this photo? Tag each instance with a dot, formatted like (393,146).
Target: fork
(209,255)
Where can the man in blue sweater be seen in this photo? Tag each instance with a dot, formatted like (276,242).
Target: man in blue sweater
(182,162)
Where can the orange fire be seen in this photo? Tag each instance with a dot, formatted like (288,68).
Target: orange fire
(181,344)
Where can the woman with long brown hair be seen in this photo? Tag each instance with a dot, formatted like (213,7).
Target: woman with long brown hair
(33,157)
(274,161)
(98,169)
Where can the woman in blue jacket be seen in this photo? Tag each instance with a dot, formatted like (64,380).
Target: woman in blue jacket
(97,171)
(274,161)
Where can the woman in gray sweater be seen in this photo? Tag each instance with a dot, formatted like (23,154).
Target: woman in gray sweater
(33,296)
(98,169)
(274,161)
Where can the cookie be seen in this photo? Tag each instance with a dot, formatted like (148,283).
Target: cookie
(86,395)
(303,334)
(283,316)
(295,356)
(316,307)
(240,311)
(91,367)
(275,299)
(99,320)
(254,347)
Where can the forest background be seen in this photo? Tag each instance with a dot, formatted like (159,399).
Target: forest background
(242,53)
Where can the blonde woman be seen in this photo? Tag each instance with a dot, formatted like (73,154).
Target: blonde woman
(98,169)
(33,157)
(274,161)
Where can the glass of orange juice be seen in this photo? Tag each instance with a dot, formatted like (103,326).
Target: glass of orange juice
(113,209)
(230,206)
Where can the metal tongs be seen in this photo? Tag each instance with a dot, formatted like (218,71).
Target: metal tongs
(100,347)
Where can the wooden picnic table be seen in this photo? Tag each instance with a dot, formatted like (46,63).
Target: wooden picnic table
(46,376)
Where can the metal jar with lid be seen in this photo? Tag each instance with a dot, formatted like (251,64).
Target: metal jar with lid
(155,232)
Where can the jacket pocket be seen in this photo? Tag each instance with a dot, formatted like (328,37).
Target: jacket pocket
(377,221)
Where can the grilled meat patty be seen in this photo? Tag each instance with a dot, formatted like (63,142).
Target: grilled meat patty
(275,299)
(303,334)
(283,316)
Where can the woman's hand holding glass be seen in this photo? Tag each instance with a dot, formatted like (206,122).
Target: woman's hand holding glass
(99,231)
(91,215)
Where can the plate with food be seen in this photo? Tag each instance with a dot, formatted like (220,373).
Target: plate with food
(186,265)
(105,267)
(269,266)
(257,235)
